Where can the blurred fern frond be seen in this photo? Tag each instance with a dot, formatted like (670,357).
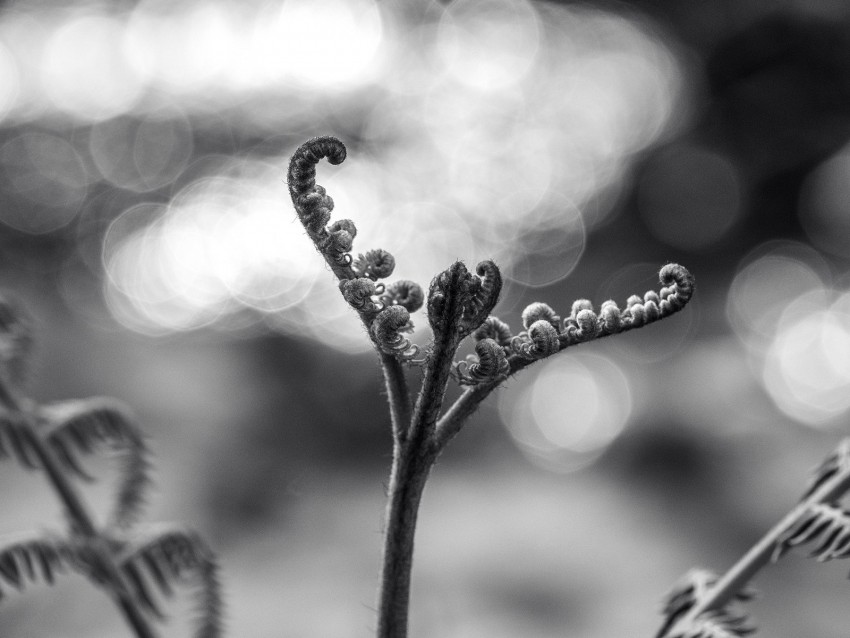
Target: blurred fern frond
(16,440)
(35,560)
(167,556)
(827,526)
(84,425)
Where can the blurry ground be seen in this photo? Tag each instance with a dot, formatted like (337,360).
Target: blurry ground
(145,225)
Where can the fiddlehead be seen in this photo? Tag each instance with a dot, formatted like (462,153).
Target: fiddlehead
(405,293)
(375,264)
(495,329)
(487,365)
(386,331)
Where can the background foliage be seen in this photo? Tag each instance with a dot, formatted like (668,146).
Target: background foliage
(145,224)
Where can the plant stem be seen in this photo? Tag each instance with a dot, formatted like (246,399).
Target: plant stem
(81,521)
(398,395)
(411,463)
(760,554)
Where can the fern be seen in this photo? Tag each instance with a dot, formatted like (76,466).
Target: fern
(49,438)
(826,526)
(16,441)
(168,556)
(458,305)
(84,425)
(34,560)
(715,625)
(699,607)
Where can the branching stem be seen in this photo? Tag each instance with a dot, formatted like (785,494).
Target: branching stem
(81,521)
(398,395)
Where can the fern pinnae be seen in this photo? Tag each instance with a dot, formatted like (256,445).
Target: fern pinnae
(826,526)
(167,555)
(19,559)
(16,440)
(87,424)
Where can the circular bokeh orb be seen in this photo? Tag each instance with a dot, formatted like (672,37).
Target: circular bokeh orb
(565,412)
(689,197)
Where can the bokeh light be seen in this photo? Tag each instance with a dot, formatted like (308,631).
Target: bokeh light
(805,369)
(84,72)
(766,281)
(565,412)
(488,45)
(142,154)
(689,197)
(46,180)
(824,211)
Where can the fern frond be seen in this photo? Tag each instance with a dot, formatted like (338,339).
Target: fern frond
(715,624)
(16,440)
(169,556)
(836,462)
(15,340)
(87,424)
(690,588)
(34,560)
(825,525)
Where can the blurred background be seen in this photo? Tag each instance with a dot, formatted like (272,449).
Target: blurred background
(146,226)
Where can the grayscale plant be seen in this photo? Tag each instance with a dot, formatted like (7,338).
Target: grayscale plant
(459,304)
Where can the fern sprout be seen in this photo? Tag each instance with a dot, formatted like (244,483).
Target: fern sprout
(375,264)
(386,330)
(459,304)
(537,311)
(495,329)
(405,293)
(488,364)
(359,293)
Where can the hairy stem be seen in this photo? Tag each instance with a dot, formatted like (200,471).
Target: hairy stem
(411,463)
(81,521)
(398,395)
(759,554)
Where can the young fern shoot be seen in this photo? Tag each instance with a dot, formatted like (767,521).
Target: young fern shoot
(121,557)
(458,304)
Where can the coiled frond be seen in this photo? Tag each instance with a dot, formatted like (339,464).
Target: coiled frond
(311,202)
(33,559)
(690,589)
(405,293)
(375,264)
(539,310)
(446,295)
(484,291)
(340,240)
(539,342)
(16,440)
(87,424)
(495,329)
(359,292)
(825,526)
(715,624)
(488,364)
(169,557)
(386,331)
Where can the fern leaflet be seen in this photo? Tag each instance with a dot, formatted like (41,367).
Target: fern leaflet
(86,424)
(16,440)
(34,560)
(826,525)
(170,556)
